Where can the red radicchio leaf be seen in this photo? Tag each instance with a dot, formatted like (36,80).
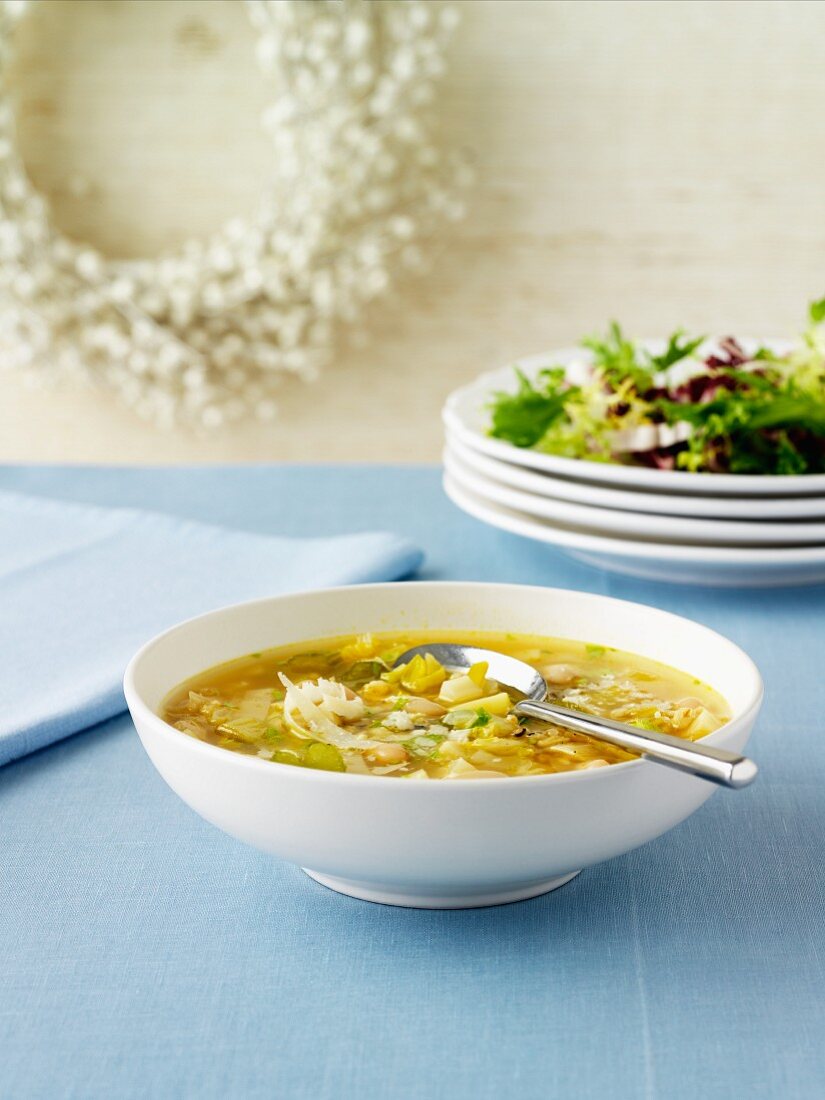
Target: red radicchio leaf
(732,355)
(660,458)
(703,388)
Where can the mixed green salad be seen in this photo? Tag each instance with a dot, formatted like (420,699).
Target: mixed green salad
(693,406)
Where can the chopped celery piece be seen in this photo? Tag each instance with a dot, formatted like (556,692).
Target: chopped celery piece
(323,756)
(287,756)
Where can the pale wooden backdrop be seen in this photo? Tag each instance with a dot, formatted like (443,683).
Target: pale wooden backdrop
(658,161)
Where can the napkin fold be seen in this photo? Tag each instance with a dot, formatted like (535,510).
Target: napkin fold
(82,587)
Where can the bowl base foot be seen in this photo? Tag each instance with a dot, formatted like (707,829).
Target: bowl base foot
(366,891)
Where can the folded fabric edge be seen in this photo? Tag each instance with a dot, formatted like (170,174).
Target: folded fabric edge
(389,557)
(43,735)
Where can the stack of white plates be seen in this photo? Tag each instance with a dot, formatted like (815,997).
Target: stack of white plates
(718,529)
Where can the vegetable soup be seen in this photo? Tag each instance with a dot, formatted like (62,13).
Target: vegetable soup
(339,704)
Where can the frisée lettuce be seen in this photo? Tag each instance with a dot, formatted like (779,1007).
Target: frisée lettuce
(696,406)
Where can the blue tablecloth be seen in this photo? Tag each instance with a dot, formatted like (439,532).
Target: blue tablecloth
(144,954)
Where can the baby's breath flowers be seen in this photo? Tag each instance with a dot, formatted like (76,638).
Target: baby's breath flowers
(204,335)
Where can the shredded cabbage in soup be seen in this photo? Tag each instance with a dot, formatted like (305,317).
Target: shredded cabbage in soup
(338,704)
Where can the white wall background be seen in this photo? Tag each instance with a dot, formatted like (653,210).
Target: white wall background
(658,161)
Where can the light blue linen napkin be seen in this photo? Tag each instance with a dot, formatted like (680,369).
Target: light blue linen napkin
(81,588)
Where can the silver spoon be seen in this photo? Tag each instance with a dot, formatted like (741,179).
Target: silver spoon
(725,768)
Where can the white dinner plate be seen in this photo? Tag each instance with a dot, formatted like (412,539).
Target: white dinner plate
(733,567)
(707,532)
(466,418)
(636,500)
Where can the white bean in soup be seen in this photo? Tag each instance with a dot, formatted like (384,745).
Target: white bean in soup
(339,704)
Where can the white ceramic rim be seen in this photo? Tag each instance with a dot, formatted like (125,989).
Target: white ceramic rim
(586,775)
(464,407)
(520,524)
(692,505)
(591,519)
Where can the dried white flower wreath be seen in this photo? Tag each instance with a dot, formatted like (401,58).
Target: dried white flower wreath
(204,335)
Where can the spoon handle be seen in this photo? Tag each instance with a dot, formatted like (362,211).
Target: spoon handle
(725,768)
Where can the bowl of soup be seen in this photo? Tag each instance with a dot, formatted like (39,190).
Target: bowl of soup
(293,724)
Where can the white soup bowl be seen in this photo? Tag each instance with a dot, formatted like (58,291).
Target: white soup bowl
(434,843)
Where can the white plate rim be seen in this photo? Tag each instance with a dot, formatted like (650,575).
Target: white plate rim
(614,523)
(468,401)
(506,519)
(634,500)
